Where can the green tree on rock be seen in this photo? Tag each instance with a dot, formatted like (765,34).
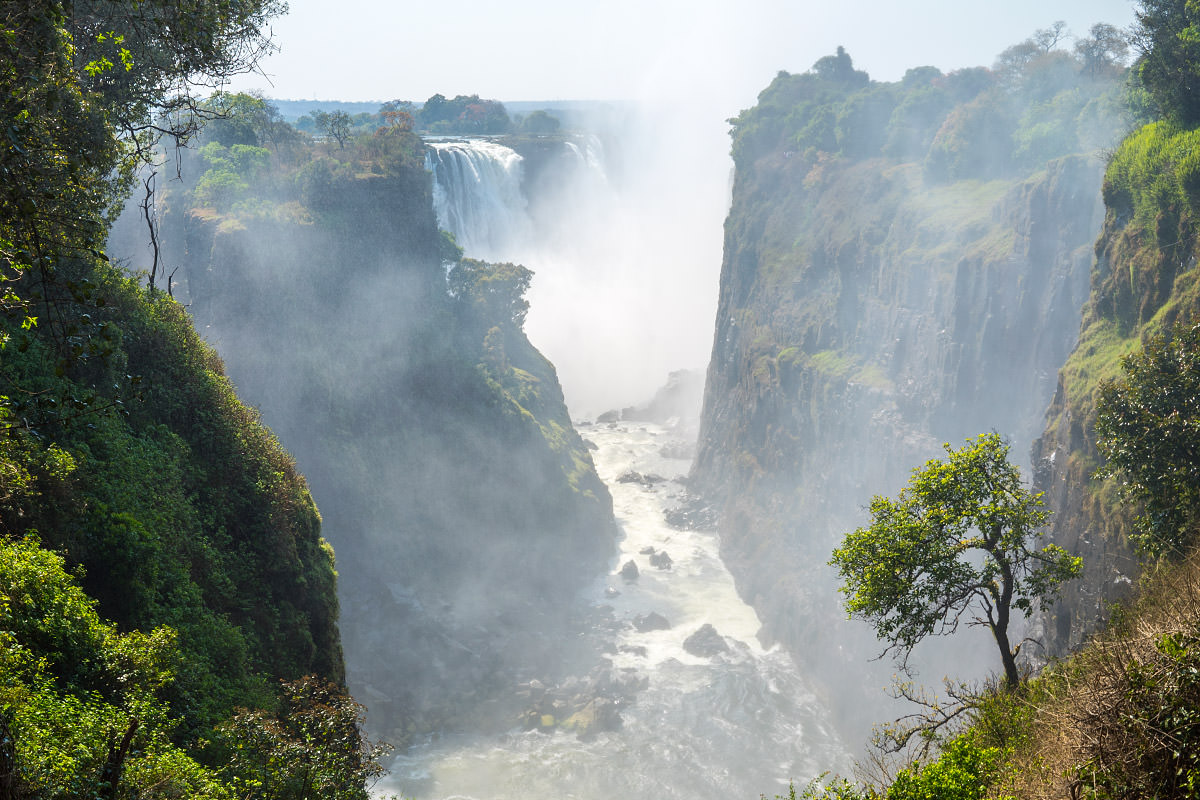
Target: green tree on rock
(957,545)
(1148,427)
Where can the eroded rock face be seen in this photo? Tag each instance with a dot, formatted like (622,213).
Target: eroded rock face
(866,316)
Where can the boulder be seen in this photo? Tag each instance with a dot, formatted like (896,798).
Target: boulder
(705,642)
(609,416)
(630,571)
(661,560)
(651,622)
(600,714)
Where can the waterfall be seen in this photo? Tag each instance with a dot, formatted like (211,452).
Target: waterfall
(477,196)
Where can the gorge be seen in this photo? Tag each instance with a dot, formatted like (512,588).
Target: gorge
(554,574)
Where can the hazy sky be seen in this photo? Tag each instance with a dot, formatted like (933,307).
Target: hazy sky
(561,49)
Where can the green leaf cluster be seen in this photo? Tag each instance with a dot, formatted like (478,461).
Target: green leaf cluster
(1033,106)
(1148,429)
(959,541)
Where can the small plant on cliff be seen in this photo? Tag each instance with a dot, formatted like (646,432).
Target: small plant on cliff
(957,544)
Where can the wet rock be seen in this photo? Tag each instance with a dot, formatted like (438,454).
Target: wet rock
(692,514)
(647,551)
(661,560)
(651,622)
(630,571)
(633,476)
(632,649)
(590,444)
(706,642)
(612,592)
(598,715)
(609,416)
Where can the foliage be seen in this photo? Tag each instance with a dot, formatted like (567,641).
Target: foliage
(312,747)
(82,703)
(121,442)
(463,114)
(540,122)
(1167,39)
(972,123)
(1148,429)
(334,124)
(963,771)
(956,542)
(1148,743)
(231,172)
(495,291)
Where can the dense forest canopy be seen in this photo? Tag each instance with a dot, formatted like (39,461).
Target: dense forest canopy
(161,560)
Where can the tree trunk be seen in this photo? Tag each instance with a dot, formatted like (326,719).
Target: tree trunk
(1012,678)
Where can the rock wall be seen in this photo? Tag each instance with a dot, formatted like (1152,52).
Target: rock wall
(463,507)
(871,310)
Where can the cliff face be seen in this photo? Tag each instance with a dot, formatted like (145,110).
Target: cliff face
(463,506)
(1145,280)
(872,308)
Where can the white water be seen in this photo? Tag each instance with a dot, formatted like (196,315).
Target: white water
(477,195)
(734,725)
(625,267)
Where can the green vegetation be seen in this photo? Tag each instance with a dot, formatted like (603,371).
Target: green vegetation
(1148,430)
(465,114)
(161,563)
(1119,717)
(957,541)
(1167,37)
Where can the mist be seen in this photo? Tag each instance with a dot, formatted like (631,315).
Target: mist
(872,292)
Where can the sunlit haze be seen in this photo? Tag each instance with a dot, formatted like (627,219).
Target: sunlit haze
(542,50)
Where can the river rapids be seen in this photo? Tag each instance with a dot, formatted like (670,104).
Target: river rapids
(739,723)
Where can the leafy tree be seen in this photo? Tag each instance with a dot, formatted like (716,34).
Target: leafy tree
(1148,427)
(335,124)
(313,747)
(494,293)
(957,543)
(540,122)
(839,68)
(1103,50)
(1167,39)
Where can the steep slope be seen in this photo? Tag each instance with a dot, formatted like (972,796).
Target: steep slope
(1145,280)
(464,507)
(904,264)
(161,564)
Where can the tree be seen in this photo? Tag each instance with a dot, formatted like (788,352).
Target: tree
(1103,50)
(1167,39)
(335,124)
(312,748)
(958,543)
(494,293)
(839,68)
(540,122)
(1148,429)
(1047,39)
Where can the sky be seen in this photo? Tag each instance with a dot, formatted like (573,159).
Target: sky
(640,297)
(567,50)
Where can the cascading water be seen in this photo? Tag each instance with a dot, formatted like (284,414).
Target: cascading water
(725,719)
(477,195)
(719,718)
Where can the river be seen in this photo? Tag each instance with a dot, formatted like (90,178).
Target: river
(736,724)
